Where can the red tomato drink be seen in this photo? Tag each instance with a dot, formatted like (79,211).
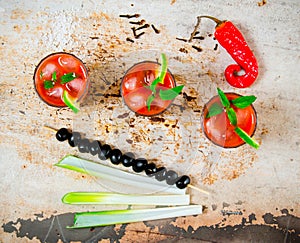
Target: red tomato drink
(58,72)
(218,128)
(135,88)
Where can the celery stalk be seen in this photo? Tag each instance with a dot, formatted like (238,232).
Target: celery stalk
(124,199)
(112,217)
(147,184)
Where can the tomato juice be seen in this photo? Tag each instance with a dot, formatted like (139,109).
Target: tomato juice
(135,88)
(58,72)
(218,128)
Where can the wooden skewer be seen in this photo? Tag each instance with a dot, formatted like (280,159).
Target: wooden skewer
(198,189)
(50,128)
(189,185)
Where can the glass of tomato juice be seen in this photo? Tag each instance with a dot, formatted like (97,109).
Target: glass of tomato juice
(135,88)
(59,72)
(218,128)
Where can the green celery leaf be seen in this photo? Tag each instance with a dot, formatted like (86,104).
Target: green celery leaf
(214,110)
(225,102)
(243,101)
(161,75)
(170,94)
(231,116)
(48,84)
(246,138)
(149,101)
(164,67)
(54,77)
(67,78)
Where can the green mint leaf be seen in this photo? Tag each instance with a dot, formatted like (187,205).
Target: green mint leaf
(214,109)
(243,101)
(225,102)
(231,116)
(149,101)
(246,138)
(54,77)
(67,78)
(170,94)
(48,84)
(153,85)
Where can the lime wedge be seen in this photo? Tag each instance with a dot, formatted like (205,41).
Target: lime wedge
(70,102)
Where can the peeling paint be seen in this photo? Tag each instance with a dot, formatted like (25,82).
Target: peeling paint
(283,228)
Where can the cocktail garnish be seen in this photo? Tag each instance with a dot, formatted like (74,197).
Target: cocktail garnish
(70,102)
(241,103)
(168,94)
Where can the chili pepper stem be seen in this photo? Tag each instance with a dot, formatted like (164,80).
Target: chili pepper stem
(217,21)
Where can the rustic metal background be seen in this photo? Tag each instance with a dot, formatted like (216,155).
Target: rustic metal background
(254,195)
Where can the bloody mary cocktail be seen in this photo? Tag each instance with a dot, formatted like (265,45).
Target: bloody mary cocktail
(135,88)
(59,72)
(218,128)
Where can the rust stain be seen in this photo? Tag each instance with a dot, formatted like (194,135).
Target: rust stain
(210,179)
(20,14)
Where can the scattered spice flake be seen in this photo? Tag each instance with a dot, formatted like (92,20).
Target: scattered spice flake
(262,3)
(139,35)
(199,49)
(198,38)
(216,47)
(133,30)
(155,29)
(94,37)
(143,27)
(138,22)
(128,16)
(130,40)
(183,50)
(181,39)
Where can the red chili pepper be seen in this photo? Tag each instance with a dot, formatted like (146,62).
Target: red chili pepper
(233,41)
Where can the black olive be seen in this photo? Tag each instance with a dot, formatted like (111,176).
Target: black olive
(83,145)
(150,169)
(183,181)
(74,139)
(115,156)
(127,159)
(62,134)
(171,177)
(104,152)
(160,174)
(94,147)
(139,165)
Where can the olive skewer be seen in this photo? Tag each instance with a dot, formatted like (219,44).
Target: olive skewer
(104,152)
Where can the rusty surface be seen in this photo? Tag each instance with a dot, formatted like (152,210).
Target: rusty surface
(254,195)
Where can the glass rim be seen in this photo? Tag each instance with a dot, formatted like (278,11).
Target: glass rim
(86,88)
(128,71)
(202,121)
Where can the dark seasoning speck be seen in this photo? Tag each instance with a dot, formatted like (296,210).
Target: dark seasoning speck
(139,27)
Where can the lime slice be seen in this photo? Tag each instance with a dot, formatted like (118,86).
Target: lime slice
(70,102)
